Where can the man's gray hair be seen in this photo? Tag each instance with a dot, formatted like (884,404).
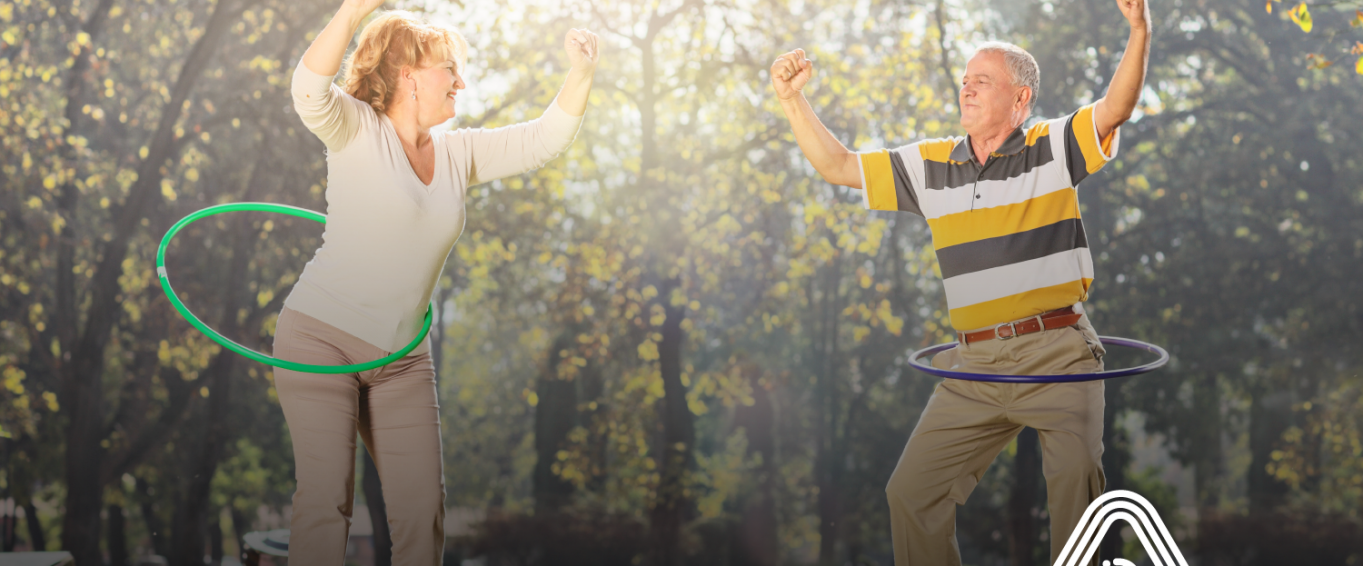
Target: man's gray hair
(1021,66)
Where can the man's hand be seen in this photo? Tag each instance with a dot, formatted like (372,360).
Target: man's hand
(790,73)
(581,46)
(1137,13)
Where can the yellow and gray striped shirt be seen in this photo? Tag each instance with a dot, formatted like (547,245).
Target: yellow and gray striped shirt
(1007,233)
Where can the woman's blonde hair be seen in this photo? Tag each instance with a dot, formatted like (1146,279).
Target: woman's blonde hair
(390,42)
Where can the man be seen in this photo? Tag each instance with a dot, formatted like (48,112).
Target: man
(1004,215)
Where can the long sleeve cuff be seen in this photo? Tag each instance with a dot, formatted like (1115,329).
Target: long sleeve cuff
(559,124)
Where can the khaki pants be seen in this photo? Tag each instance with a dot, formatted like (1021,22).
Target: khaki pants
(967,423)
(394,409)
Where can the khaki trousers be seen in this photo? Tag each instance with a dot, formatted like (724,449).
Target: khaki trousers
(967,423)
(395,411)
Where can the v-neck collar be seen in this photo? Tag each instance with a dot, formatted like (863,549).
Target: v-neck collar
(435,150)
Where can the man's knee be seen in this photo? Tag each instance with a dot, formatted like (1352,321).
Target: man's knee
(913,491)
(1079,471)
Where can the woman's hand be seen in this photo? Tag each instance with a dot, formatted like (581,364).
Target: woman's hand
(581,46)
(364,7)
(583,52)
(790,73)
(326,52)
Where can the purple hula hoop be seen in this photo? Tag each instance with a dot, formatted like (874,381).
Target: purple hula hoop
(914,360)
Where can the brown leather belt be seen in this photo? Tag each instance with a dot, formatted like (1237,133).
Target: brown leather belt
(1059,318)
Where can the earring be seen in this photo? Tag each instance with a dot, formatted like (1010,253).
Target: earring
(414,95)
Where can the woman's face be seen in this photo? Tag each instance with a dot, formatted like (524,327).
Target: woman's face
(436,87)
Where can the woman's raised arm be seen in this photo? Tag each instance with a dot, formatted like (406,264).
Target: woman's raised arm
(333,117)
(583,53)
(326,52)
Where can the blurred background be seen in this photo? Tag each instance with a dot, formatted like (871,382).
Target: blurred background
(675,344)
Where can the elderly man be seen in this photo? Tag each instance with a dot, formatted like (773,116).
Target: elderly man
(1004,215)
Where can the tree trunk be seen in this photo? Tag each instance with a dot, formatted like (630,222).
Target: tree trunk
(378,511)
(155,529)
(593,387)
(555,416)
(674,457)
(757,543)
(9,528)
(1269,415)
(1206,444)
(82,389)
(240,526)
(1023,501)
(191,512)
(830,448)
(118,537)
(84,456)
(36,537)
(214,539)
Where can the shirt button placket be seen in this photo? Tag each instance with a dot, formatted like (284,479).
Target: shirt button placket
(975,189)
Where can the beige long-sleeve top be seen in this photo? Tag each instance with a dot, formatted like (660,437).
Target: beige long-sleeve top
(388,234)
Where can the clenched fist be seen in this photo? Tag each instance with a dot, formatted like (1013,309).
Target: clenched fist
(790,73)
(1136,11)
(581,46)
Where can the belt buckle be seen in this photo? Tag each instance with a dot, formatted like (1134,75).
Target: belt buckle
(1012,328)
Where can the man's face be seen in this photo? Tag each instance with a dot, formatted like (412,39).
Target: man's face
(989,101)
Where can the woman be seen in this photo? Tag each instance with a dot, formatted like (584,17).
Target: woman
(395,206)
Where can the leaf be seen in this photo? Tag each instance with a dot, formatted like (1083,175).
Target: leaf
(1268,6)
(1359,66)
(1316,61)
(1302,17)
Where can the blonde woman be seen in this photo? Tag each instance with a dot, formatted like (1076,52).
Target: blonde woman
(395,206)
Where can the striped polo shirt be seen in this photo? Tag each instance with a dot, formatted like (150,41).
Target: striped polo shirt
(1007,233)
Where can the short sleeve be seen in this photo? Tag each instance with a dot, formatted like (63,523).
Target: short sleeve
(1085,154)
(886,182)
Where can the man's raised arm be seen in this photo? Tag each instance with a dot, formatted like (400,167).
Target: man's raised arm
(830,158)
(1115,108)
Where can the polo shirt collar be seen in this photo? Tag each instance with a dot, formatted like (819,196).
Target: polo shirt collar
(1015,143)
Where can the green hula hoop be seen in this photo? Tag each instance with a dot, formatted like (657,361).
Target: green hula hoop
(243,350)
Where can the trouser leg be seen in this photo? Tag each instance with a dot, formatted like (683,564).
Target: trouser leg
(1068,418)
(959,434)
(400,422)
(320,410)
